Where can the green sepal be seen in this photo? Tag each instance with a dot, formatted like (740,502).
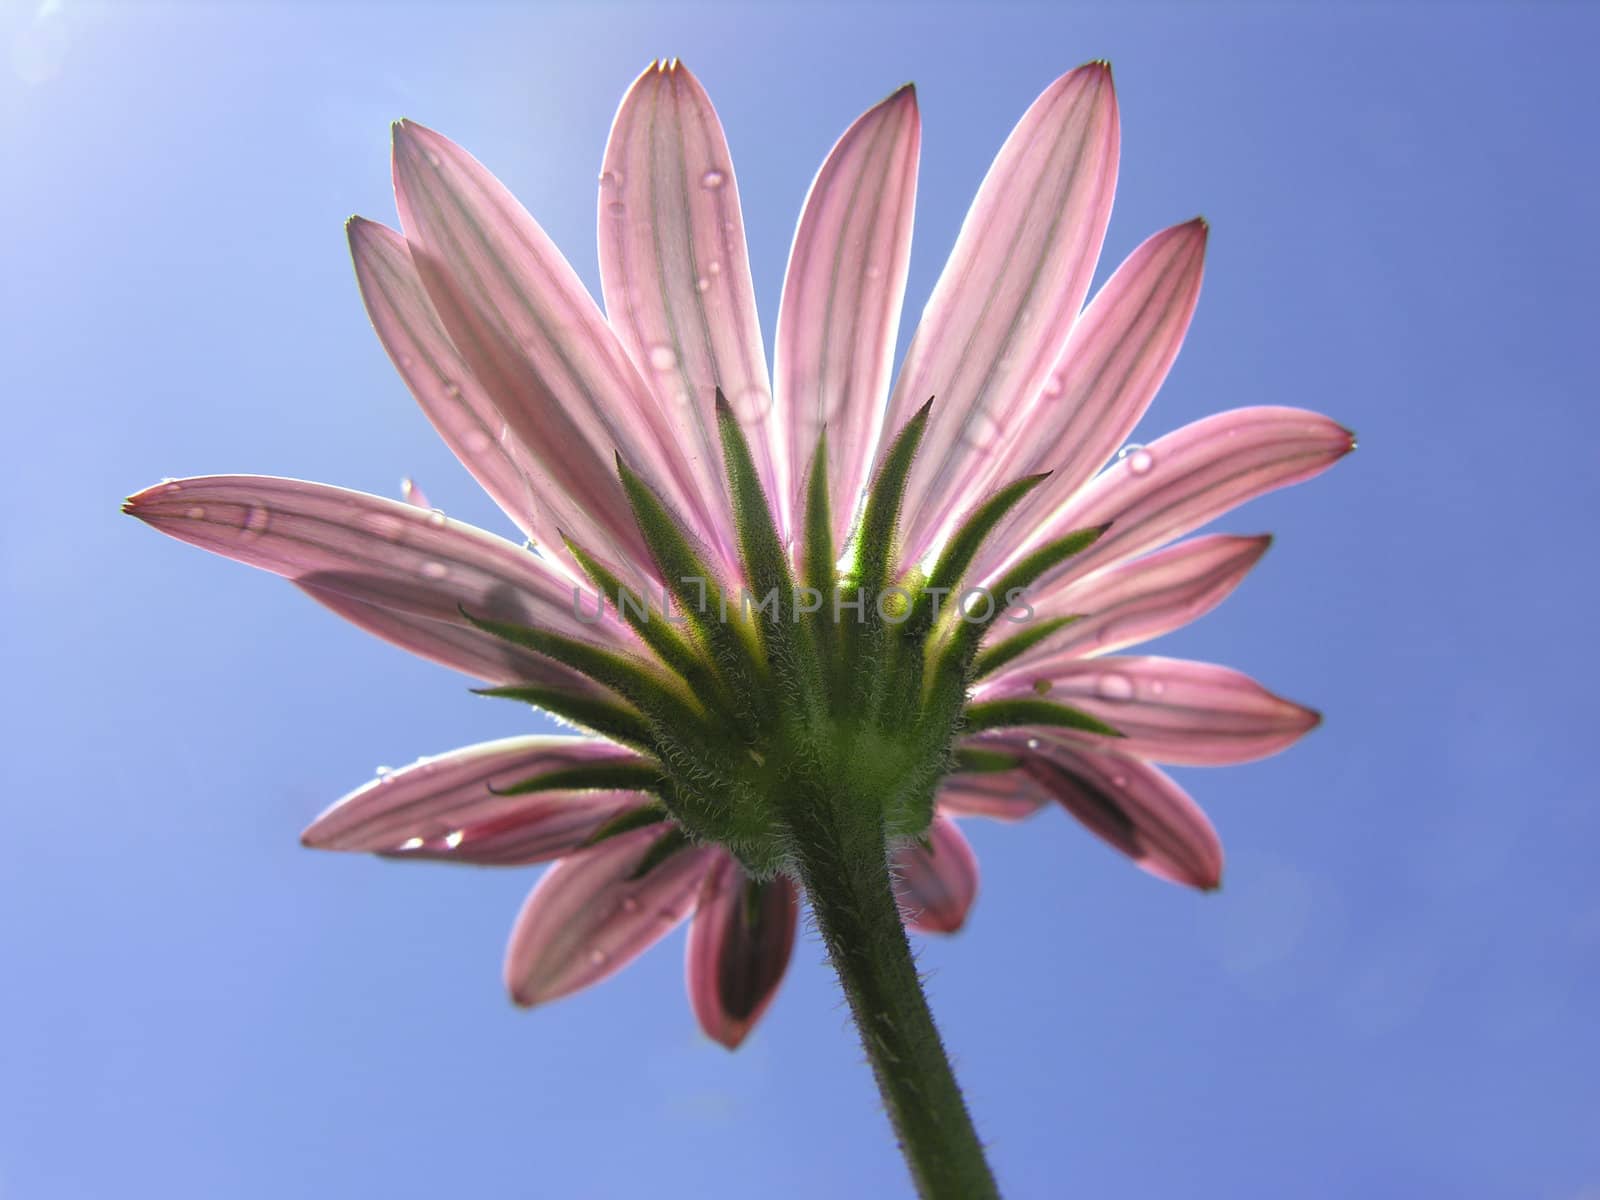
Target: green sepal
(656,697)
(706,607)
(976,761)
(668,844)
(820,562)
(626,822)
(766,562)
(962,648)
(615,721)
(604,777)
(1005,714)
(994,657)
(963,547)
(653,628)
(876,539)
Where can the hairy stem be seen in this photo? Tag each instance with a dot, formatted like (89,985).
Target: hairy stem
(843,858)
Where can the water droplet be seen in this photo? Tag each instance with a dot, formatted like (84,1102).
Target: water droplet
(713,178)
(629,904)
(1139,459)
(1119,781)
(435,570)
(194,512)
(383,772)
(436,518)
(1052,386)
(616,208)
(256,520)
(414,843)
(714,267)
(453,838)
(598,958)
(662,358)
(1113,686)
(702,284)
(1157,687)
(406,361)
(476,441)
(1033,743)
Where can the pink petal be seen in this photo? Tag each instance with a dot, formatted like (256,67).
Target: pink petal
(1135,807)
(1143,598)
(1001,795)
(841,300)
(460,407)
(376,551)
(937,886)
(1114,362)
(1179,482)
(739,947)
(1001,311)
(534,339)
(587,919)
(443,807)
(676,275)
(459,646)
(1168,709)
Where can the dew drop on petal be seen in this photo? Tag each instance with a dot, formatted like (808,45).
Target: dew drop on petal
(1157,687)
(435,570)
(702,284)
(1052,386)
(629,904)
(1139,459)
(713,178)
(436,518)
(1112,686)
(414,843)
(662,358)
(1033,743)
(476,441)
(1119,781)
(598,957)
(714,267)
(383,772)
(453,838)
(194,512)
(256,520)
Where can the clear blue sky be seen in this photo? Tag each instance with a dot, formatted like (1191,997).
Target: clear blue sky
(1393,995)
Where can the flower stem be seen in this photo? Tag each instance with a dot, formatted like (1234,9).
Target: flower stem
(844,864)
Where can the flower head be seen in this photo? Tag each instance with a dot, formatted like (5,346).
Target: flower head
(766,596)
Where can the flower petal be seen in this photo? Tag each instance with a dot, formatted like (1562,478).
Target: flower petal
(1168,709)
(1180,481)
(452,397)
(1001,795)
(1132,805)
(1007,299)
(1114,362)
(1143,598)
(937,886)
(534,339)
(676,275)
(588,918)
(739,947)
(842,295)
(373,550)
(446,806)
(459,646)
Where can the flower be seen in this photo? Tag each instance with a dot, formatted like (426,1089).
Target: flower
(646,447)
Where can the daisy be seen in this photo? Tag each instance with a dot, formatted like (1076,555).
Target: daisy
(800,619)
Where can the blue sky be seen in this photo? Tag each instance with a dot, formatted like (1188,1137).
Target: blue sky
(1393,995)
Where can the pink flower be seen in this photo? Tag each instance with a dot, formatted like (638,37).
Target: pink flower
(541,396)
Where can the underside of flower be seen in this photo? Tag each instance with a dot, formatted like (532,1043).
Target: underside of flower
(798,684)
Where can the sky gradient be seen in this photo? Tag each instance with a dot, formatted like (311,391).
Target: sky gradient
(1387,998)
